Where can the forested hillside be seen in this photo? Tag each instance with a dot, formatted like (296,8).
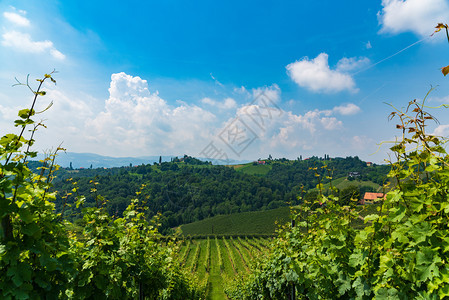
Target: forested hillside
(188,190)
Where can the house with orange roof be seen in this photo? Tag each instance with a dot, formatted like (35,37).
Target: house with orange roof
(369,198)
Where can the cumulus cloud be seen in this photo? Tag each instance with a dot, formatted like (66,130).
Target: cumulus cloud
(271,93)
(311,121)
(301,132)
(316,75)
(136,120)
(227,103)
(347,109)
(417,16)
(16,19)
(441,130)
(352,63)
(23,42)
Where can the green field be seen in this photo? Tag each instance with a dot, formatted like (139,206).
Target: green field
(247,223)
(343,182)
(216,260)
(251,169)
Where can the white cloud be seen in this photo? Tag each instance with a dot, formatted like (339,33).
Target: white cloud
(241,90)
(440,99)
(136,122)
(298,133)
(9,113)
(228,103)
(316,75)
(368,45)
(23,42)
(352,63)
(209,101)
(16,19)
(417,16)
(331,123)
(57,54)
(361,142)
(311,121)
(271,93)
(441,130)
(347,109)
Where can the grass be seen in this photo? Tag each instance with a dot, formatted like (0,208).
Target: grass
(343,182)
(216,290)
(247,223)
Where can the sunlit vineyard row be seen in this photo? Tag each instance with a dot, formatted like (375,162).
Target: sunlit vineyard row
(215,259)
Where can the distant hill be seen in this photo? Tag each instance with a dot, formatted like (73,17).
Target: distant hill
(187,189)
(86,160)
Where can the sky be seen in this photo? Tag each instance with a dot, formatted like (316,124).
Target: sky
(228,80)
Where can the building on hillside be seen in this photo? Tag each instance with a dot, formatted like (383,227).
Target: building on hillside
(369,164)
(354,174)
(261,162)
(370,198)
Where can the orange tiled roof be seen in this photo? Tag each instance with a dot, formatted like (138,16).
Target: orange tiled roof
(373,196)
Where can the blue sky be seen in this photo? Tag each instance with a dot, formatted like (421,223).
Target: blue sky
(245,79)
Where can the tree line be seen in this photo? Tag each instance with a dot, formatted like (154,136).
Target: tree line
(191,190)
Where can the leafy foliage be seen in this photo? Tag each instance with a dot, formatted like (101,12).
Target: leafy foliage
(401,254)
(34,250)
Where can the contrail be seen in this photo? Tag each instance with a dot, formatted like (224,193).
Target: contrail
(382,60)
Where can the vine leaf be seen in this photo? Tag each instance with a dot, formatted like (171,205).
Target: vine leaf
(445,70)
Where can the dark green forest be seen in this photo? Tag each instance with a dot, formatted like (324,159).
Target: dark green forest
(187,190)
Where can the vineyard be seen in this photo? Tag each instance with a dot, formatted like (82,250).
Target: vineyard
(216,260)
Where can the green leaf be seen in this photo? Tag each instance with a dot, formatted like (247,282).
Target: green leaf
(398,213)
(25,215)
(23,122)
(25,113)
(356,259)
(444,291)
(31,229)
(14,273)
(370,218)
(387,293)
(344,286)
